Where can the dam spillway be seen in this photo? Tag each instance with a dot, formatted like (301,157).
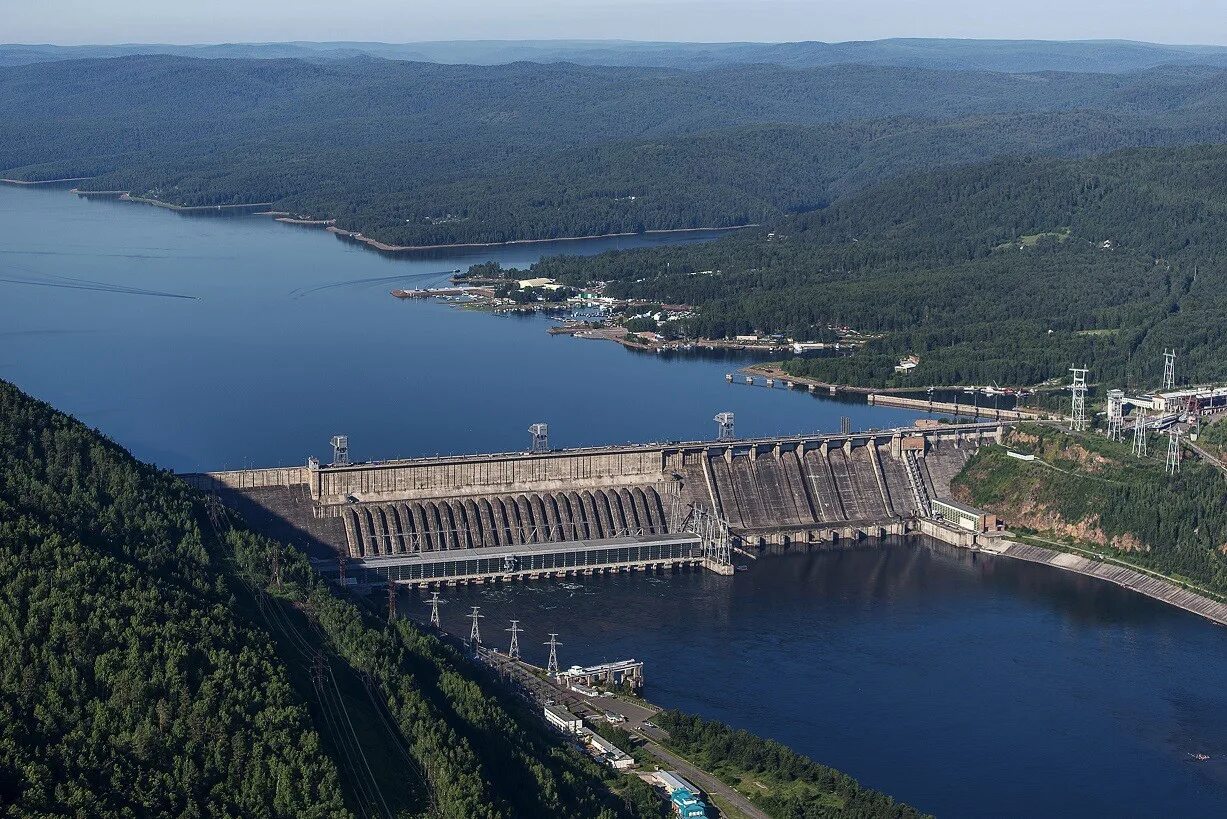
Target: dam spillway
(579,511)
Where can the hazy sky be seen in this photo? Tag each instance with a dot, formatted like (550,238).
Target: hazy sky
(208,21)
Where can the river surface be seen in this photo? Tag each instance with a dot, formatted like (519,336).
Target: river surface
(210,342)
(966,685)
(969,686)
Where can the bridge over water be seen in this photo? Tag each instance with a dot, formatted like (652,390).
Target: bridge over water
(581,511)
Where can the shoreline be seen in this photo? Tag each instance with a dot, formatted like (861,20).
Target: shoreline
(331,226)
(1139,580)
(387,248)
(43,181)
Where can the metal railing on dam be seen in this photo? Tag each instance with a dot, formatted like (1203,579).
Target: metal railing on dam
(745,492)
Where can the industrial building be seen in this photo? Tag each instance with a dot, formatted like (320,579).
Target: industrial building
(683,795)
(609,753)
(967,517)
(562,719)
(1193,400)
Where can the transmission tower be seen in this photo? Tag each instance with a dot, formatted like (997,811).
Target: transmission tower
(1169,369)
(341,570)
(340,450)
(724,426)
(1173,451)
(391,601)
(845,425)
(277,565)
(513,651)
(541,437)
(1116,414)
(1139,433)
(551,667)
(475,631)
(1077,414)
(434,609)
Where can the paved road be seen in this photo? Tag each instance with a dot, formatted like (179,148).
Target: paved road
(704,780)
(638,716)
(1208,457)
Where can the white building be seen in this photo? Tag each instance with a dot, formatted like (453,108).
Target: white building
(562,719)
(611,753)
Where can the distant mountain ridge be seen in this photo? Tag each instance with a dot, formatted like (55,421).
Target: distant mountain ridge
(1107,56)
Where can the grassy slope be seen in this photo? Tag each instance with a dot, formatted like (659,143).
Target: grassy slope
(1093,492)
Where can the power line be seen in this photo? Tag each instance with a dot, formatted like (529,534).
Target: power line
(475,631)
(514,650)
(1139,434)
(551,667)
(1077,414)
(1173,451)
(434,609)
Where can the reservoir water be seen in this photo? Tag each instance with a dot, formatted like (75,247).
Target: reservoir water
(967,685)
(207,342)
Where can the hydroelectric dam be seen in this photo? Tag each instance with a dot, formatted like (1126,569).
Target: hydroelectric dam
(568,512)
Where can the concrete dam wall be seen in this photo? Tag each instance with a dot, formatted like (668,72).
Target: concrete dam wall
(773,490)
(483,521)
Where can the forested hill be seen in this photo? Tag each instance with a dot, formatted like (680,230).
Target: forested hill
(415,153)
(154,667)
(160,659)
(995,272)
(129,686)
(980,55)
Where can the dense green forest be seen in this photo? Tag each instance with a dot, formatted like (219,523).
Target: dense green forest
(130,685)
(1095,492)
(790,786)
(416,153)
(995,272)
(152,667)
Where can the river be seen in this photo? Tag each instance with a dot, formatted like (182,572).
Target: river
(967,685)
(211,342)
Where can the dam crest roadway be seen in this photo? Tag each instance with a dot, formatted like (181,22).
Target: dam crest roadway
(569,512)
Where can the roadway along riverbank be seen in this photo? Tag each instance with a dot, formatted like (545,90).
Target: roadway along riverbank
(1142,581)
(638,718)
(1135,578)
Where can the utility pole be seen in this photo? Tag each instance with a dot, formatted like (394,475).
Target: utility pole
(1173,451)
(1116,414)
(514,650)
(475,631)
(1139,434)
(1077,414)
(434,609)
(1169,369)
(551,667)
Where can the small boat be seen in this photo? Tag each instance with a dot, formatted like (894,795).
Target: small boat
(1200,757)
(742,567)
